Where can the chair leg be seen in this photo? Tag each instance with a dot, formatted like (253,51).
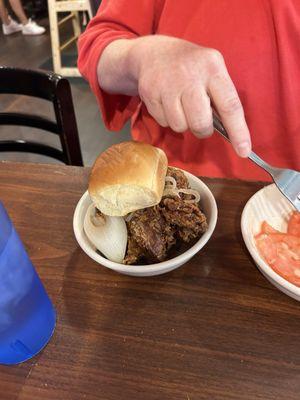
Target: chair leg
(54,33)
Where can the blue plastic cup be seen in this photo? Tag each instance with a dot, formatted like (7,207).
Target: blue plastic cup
(27,316)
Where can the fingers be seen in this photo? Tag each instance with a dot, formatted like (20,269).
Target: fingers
(168,112)
(198,113)
(156,110)
(174,113)
(192,111)
(226,100)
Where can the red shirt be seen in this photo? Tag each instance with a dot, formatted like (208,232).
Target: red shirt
(260,41)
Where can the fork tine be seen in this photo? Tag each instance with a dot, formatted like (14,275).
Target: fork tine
(288,182)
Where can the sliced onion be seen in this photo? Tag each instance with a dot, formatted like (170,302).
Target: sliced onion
(110,238)
(171,193)
(97,218)
(170,181)
(192,192)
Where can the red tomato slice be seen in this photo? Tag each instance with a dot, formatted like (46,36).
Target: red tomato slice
(267,228)
(293,242)
(282,252)
(294,224)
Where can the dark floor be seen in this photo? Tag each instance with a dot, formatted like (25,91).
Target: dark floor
(34,52)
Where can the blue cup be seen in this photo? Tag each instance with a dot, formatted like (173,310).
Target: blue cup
(27,316)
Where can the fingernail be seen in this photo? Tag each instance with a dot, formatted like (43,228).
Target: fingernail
(204,134)
(243,149)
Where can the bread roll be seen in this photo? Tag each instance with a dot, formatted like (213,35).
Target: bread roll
(127,177)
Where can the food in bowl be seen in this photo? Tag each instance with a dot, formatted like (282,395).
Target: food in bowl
(142,210)
(282,250)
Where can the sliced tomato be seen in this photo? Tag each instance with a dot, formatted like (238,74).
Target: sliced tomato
(267,228)
(290,272)
(282,252)
(266,248)
(292,241)
(294,224)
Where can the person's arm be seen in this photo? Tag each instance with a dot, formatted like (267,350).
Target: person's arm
(124,62)
(115,20)
(177,80)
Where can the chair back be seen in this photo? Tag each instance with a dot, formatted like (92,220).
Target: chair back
(48,86)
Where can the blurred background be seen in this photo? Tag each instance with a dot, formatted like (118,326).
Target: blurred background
(55,50)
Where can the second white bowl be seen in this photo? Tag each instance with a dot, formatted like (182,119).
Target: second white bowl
(268,204)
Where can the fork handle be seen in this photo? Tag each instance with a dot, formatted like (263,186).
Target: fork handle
(257,160)
(219,127)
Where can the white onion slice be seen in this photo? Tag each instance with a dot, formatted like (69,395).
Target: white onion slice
(97,219)
(193,192)
(171,192)
(110,238)
(170,181)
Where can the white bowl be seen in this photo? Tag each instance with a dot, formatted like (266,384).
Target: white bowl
(268,204)
(208,205)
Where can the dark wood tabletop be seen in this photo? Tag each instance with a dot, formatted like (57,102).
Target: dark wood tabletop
(212,329)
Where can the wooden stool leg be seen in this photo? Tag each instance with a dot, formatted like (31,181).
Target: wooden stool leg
(54,33)
(76,23)
(88,8)
(90,11)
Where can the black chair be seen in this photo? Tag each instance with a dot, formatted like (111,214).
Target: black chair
(48,86)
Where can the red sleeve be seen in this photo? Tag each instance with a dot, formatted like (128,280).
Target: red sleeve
(115,19)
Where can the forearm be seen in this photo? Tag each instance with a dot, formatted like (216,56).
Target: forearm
(116,71)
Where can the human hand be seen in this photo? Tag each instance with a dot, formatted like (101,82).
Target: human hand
(180,81)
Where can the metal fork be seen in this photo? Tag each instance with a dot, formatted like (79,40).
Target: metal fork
(287,180)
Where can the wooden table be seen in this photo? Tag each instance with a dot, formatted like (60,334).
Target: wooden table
(213,329)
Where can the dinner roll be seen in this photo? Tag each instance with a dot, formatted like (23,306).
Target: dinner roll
(127,177)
